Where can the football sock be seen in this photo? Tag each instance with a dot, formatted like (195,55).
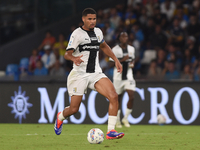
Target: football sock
(61,117)
(111,122)
(118,115)
(128,111)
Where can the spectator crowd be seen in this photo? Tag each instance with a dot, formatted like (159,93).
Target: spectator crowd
(165,34)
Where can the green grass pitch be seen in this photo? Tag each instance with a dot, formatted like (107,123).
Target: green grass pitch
(74,137)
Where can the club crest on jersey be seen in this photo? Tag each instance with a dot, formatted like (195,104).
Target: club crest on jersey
(75,90)
(98,38)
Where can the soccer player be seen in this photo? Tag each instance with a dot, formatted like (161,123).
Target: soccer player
(124,81)
(83,50)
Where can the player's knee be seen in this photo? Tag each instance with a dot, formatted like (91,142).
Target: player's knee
(113,96)
(74,110)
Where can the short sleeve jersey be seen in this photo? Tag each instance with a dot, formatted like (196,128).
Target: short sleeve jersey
(127,73)
(86,43)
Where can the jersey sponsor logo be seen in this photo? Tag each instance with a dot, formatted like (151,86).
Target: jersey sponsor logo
(90,47)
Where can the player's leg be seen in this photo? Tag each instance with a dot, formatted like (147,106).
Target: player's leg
(105,87)
(68,111)
(74,106)
(118,124)
(129,108)
(119,87)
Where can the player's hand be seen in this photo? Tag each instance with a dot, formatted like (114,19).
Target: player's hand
(131,65)
(118,66)
(125,58)
(78,60)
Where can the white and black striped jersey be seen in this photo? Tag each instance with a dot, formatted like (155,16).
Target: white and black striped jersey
(86,43)
(127,73)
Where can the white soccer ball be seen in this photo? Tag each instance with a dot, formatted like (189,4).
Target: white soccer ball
(95,136)
(161,119)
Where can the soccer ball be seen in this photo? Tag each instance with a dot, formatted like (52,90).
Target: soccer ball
(161,119)
(95,136)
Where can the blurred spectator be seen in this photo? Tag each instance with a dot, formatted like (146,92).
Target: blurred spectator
(143,17)
(40,70)
(189,59)
(61,44)
(197,72)
(72,28)
(176,33)
(57,70)
(154,72)
(114,19)
(48,58)
(137,32)
(191,45)
(174,55)
(161,58)
(137,9)
(48,40)
(187,73)
(198,52)
(133,3)
(158,38)
(180,14)
(168,8)
(130,17)
(193,27)
(148,29)
(32,60)
(109,32)
(160,18)
(150,6)
(135,43)
(59,57)
(172,73)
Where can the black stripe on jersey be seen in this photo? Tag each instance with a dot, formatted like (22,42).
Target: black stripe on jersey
(125,50)
(125,69)
(93,47)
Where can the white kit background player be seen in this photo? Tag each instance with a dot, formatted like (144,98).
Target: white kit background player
(124,81)
(83,50)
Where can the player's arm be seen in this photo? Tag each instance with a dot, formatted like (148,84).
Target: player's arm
(68,56)
(107,50)
(124,58)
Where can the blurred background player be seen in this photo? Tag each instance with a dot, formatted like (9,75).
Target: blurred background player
(124,81)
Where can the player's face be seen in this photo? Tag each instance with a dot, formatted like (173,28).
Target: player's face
(89,21)
(124,38)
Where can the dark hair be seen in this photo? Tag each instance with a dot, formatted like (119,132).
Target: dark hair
(88,11)
(119,35)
